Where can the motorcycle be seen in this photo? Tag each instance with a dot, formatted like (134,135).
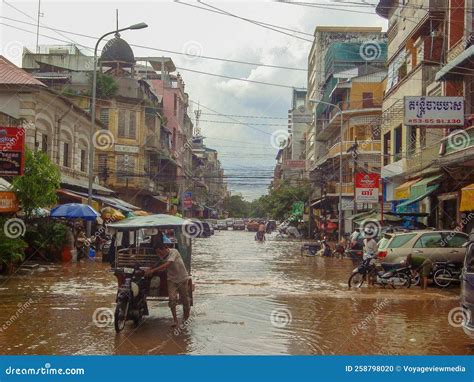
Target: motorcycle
(398,276)
(445,272)
(131,297)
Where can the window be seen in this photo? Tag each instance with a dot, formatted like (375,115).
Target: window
(104,117)
(386,148)
(367,100)
(400,240)
(456,240)
(430,240)
(398,143)
(83,160)
(103,172)
(124,166)
(66,154)
(175,104)
(127,124)
(44,143)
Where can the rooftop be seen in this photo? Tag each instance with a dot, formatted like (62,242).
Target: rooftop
(10,74)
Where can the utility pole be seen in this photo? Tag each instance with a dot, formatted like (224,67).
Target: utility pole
(38,26)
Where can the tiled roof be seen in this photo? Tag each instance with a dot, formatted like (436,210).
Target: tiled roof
(10,74)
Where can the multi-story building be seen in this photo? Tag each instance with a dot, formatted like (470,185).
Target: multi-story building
(317,76)
(53,124)
(345,86)
(429,54)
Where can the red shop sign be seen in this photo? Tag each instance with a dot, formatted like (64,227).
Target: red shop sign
(12,151)
(370,180)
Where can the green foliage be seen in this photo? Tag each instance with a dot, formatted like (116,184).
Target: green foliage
(279,202)
(47,238)
(12,250)
(236,206)
(38,186)
(106,86)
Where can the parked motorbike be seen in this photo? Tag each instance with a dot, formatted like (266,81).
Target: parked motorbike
(131,297)
(398,276)
(445,272)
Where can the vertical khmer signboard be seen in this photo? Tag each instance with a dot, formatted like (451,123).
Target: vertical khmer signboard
(12,151)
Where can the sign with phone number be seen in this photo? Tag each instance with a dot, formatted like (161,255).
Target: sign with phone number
(434,121)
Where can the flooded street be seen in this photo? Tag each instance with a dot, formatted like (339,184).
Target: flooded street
(250,298)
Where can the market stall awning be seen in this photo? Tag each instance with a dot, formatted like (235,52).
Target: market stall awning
(108,200)
(456,65)
(429,190)
(467,198)
(422,187)
(84,184)
(403,191)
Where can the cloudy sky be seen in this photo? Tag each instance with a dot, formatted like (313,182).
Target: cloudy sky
(244,143)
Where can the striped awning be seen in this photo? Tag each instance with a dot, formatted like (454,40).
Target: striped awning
(403,191)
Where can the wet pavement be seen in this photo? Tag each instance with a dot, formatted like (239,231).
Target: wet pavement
(250,298)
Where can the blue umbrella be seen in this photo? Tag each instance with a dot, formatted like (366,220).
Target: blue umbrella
(74,211)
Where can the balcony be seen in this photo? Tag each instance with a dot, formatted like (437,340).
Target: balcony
(365,147)
(422,158)
(152,142)
(332,188)
(349,109)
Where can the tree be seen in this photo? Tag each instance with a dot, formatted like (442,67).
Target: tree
(106,85)
(279,201)
(37,187)
(236,206)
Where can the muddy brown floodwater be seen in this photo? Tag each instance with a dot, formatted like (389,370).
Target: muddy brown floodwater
(250,298)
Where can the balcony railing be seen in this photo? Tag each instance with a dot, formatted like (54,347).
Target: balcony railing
(422,158)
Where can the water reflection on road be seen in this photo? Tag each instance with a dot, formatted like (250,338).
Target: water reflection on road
(250,298)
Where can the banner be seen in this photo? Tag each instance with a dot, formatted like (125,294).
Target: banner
(188,200)
(367,187)
(434,111)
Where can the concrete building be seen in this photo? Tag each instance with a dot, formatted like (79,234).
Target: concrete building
(429,54)
(53,124)
(317,75)
(346,73)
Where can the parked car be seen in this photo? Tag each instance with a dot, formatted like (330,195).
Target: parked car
(467,288)
(230,222)
(222,225)
(238,225)
(437,245)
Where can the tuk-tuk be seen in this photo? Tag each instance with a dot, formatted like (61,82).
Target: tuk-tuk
(134,241)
